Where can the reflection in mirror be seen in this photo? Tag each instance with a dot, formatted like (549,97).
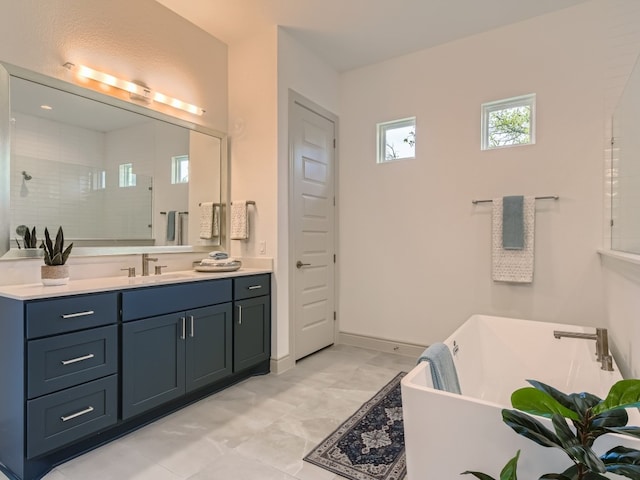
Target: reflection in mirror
(110,176)
(625,169)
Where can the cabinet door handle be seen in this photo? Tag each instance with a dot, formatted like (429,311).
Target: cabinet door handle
(184,328)
(77,414)
(255,287)
(192,329)
(79,314)
(77,359)
(239,314)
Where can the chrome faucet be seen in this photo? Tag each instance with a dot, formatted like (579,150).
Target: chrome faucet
(145,264)
(602,344)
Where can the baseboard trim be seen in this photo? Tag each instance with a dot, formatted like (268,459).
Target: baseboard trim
(281,365)
(381,344)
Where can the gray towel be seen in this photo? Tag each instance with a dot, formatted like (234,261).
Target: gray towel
(513,223)
(443,370)
(171,225)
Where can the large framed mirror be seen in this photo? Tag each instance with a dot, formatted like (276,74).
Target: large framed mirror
(625,168)
(118,177)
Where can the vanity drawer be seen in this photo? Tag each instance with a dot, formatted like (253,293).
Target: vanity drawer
(63,417)
(67,360)
(61,315)
(153,301)
(252,286)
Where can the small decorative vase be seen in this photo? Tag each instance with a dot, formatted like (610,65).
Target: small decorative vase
(54,274)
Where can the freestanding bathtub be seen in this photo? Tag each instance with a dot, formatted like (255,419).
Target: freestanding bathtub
(446,434)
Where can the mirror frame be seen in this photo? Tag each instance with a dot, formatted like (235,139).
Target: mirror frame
(8,70)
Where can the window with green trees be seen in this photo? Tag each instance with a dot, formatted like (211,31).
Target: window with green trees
(509,122)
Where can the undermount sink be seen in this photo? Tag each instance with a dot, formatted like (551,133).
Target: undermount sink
(164,277)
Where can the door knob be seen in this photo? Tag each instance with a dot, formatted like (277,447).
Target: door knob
(299,264)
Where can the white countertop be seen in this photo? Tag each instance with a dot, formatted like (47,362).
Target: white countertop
(103,284)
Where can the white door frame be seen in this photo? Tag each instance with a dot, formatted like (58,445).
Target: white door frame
(296,98)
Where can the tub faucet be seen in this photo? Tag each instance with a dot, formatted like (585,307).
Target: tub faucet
(145,264)
(602,344)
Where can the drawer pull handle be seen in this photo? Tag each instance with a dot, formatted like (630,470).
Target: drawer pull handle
(78,359)
(255,287)
(183,335)
(192,330)
(239,314)
(77,414)
(79,314)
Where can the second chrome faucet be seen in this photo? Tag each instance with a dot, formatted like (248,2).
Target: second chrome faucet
(602,344)
(145,264)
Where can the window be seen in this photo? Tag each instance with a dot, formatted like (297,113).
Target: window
(509,122)
(98,180)
(127,178)
(180,169)
(397,140)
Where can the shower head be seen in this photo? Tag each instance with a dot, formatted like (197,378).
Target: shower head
(26,176)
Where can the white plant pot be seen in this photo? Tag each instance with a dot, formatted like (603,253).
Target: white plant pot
(54,274)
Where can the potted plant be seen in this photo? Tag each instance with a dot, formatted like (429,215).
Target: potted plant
(55,271)
(590,417)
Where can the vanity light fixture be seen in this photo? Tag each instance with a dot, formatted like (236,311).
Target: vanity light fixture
(138,92)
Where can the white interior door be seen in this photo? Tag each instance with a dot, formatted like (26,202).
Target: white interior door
(313,151)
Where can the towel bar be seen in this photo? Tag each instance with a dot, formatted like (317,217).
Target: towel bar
(179,213)
(546,197)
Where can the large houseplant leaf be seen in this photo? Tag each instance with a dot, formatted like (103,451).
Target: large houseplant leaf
(623,394)
(577,402)
(612,418)
(541,403)
(530,428)
(509,472)
(630,431)
(573,447)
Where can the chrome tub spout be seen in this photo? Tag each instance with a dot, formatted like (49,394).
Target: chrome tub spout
(602,344)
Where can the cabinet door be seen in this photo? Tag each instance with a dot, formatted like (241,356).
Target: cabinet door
(153,353)
(251,332)
(209,345)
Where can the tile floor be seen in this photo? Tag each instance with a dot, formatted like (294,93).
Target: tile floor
(258,429)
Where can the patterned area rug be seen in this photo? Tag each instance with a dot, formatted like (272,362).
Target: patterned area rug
(370,444)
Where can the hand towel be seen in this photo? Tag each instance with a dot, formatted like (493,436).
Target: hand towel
(513,265)
(239,220)
(443,370)
(513,222)
(206,220)
(171,225)
(216,221)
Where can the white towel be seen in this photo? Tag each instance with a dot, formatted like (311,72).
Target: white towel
(513,265)
(206,220)
(216,221)
(239,220)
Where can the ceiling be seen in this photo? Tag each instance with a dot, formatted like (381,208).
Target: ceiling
(352,33)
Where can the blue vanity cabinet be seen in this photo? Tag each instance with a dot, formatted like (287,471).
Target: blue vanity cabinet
(251,321)
(167,356)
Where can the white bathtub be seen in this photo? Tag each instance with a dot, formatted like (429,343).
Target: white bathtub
(446,434)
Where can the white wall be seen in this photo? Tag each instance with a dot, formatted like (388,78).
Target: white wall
(415,253)
(262,69)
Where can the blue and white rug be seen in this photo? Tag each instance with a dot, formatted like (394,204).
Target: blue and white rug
(370,444)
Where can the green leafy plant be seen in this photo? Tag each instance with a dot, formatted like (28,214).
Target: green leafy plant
(30,238)
(590,417)
(55,253)
(507,473)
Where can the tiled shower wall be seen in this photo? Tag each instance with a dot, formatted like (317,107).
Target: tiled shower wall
(622,50)
(63,162)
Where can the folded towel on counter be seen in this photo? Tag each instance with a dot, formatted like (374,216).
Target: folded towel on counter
(217,255)
(513,222)
(239,220)
(513,265)
(443,370)
(206,220)
(171,225)
(221,261)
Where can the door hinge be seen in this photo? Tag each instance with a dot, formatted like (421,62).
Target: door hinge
(334,143)
(335,316)
(612,140)
(612,222)
(334,258)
